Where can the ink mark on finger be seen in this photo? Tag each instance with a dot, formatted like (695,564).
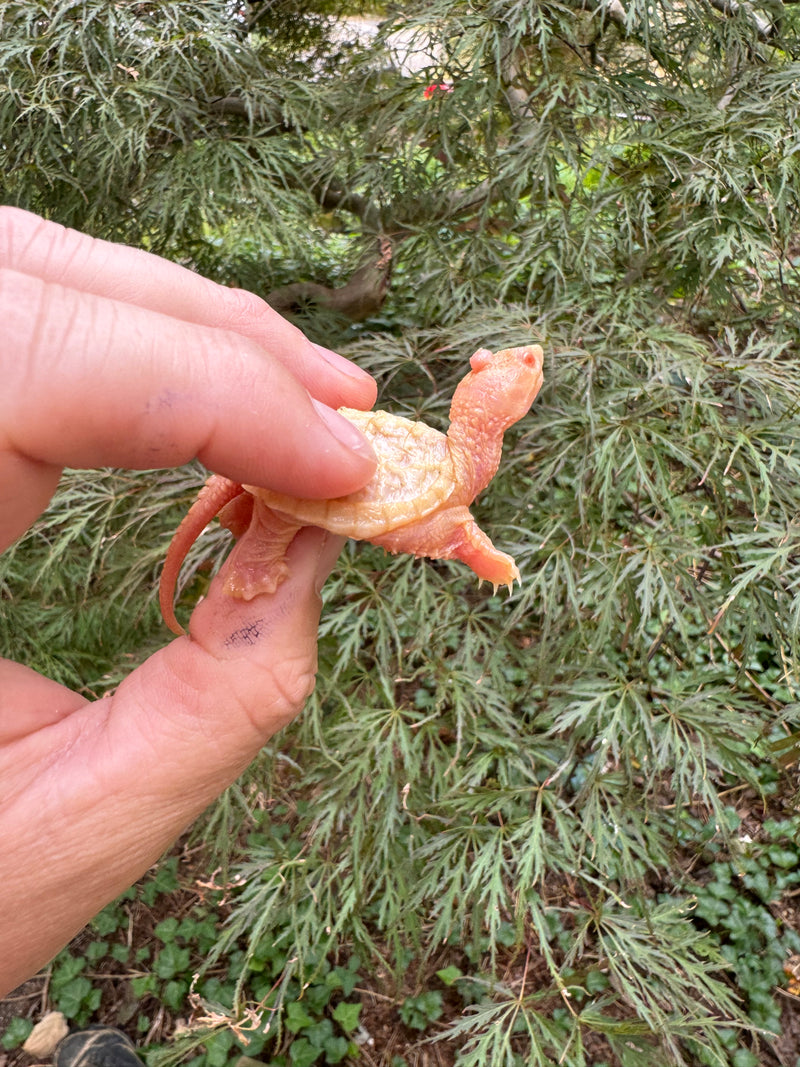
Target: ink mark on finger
(246,635)
(165,400)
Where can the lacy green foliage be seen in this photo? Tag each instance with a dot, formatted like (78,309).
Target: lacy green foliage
(111,120)
(498,785)
(71,603)
(579,159)
(471,757)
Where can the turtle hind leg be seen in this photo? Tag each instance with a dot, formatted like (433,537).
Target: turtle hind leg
(257,563)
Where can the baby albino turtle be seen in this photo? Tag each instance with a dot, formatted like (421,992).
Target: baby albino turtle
(417,501)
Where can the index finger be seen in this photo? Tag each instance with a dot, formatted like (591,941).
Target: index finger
(90,382)
(53,253)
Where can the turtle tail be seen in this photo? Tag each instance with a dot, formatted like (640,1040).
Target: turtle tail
(212,498)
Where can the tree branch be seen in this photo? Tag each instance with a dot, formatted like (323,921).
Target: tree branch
(334,198)
(270,123)
(360,297)
(764,27)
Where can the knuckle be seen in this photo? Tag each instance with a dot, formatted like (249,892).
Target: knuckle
(13,222)
(24,308)
(270,697)
(292,683)
(249,314)
(245,309)
(20,232)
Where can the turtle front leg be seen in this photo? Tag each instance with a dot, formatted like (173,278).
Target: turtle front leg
(453,534)
(257,563)
(490,564)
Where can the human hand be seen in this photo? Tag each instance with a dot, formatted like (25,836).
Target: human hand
(111,356)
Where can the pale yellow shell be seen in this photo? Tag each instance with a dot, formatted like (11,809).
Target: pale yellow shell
(415,475)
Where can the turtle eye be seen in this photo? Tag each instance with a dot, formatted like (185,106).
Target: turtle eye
(481,359)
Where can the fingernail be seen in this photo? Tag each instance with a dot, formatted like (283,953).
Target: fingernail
(344,431)
(346,366)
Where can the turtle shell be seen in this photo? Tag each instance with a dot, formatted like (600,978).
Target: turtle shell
(414,476)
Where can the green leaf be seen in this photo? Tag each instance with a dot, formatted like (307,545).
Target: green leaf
(297,1017)
(171,961)
(336,1048)
(302,1053)
(76,996)
(96,950)
(318,1032)
(173,994)
(109,920)
(142,985)
(66,969)
(218,1046)
(596,981)
(167,929)
(744,1058)
(344,978)
(418,1012)
(16,1033)
(346,1015)
(783,857)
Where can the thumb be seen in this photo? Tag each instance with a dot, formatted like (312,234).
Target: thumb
(106,786)
(209,701)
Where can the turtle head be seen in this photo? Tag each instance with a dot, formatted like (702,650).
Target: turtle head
(498,390)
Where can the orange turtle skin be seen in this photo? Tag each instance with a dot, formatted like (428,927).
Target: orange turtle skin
(417,501)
